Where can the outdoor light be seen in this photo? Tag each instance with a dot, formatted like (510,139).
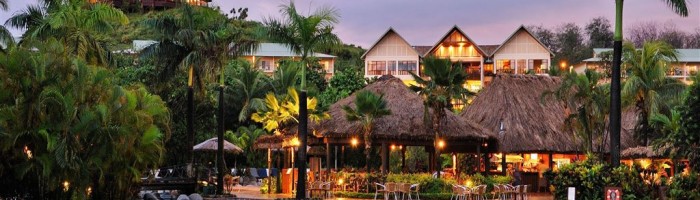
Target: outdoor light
(191,76)
(393,147)
(88,191)
(28,152)
(340,181)
(400,146)
(486,144)
(66,185)
(354,142)
(533,156)
(295,142)
(441,143)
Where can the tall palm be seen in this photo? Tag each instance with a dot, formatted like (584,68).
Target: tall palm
(304,34)
(368,107)
(680,8)
(445,85)
(647,86)
(76,23)
(589,101)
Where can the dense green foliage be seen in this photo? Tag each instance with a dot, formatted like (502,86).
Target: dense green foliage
(590,177)
(685,187)
(368,106)
(341,85)
(686,142)
(647,87)
(63,121)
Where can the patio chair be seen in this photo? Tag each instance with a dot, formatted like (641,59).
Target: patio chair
(387,189)
(415,188)
(458,192)
(480,192)
(254,174)
(404,189)
(326,187)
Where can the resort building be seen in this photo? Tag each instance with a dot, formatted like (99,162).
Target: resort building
(268,55)
(520,53)
(685,68)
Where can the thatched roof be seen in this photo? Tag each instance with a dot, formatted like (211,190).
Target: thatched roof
(642,152)
(406,120)
(530,125)
(269,141)
(316,151)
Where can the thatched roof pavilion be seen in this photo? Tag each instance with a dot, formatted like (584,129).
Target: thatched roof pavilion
(269,142)
(514,101)
(532,123)
(406,123)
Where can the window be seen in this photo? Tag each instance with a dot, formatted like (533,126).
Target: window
(522,66)
(407,66)
(376,68)
(505,66)
(391,65)
(265,66)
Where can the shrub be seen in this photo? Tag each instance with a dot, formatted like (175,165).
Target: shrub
(685,187)
(590,177)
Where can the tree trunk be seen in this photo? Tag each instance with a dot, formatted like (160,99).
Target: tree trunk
(303,117)
(615,102)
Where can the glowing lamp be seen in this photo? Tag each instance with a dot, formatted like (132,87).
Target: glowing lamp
(354,142)
(340,181)
(533,156)
(441,143)
(66,185)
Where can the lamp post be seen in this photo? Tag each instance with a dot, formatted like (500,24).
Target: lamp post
(502,135)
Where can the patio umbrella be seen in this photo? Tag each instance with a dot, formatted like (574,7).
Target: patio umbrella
(211,145)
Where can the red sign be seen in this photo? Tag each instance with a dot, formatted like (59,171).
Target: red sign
(613,193)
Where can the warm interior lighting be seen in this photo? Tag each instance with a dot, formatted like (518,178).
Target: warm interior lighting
(533,156)
(562,64)
(400,146)
(469,183)
(340,181)
(393,147)
(441,143)
(353,142)
(88,191)
(645,163)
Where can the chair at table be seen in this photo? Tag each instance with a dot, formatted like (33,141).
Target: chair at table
(326,188)
(386,190)
(458,192)
(415,188)
(480,192)
(522,193)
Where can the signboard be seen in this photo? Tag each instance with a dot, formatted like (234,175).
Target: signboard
(571,193)
(613,193)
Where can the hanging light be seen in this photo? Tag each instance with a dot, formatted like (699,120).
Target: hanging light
(441,144)
(354,142)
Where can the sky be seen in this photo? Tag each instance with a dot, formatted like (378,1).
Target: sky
(423,22)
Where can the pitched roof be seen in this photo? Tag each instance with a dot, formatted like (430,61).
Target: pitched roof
(422,50)
(455,28)
(280,50)
(406,120)
(391,30)
(489,49)
(522,27)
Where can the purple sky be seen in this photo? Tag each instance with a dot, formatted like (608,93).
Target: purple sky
(423,22)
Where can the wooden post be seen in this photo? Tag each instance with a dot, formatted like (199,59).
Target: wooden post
(431,158)
(385,157)
(551,161)
(478,156)
(503,164)
(328,161)
(342,156)
(403,159)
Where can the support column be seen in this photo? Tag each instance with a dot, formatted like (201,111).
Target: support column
(478,156)
(503,164)
(385,157)
(551,161)
(403,159)
(342,156)
(487,163)
(431,158)
(328,161)
(335,157)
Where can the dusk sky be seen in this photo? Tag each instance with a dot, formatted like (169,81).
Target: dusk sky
(423,22)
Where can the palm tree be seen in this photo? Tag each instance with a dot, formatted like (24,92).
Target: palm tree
(647,86)
(368,107)
(678,6)
(76,23)
(445,85)
(303,35)
(197,37)
(5,35)
(248,88)
(589,100)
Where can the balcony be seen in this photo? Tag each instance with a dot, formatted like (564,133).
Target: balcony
(504,71)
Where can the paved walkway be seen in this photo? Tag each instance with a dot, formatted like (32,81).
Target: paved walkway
(253,192)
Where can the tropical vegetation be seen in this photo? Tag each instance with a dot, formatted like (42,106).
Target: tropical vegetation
(368,107)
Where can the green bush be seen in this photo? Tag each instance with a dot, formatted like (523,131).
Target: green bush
(685,187)
(590,177)
(265,182)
